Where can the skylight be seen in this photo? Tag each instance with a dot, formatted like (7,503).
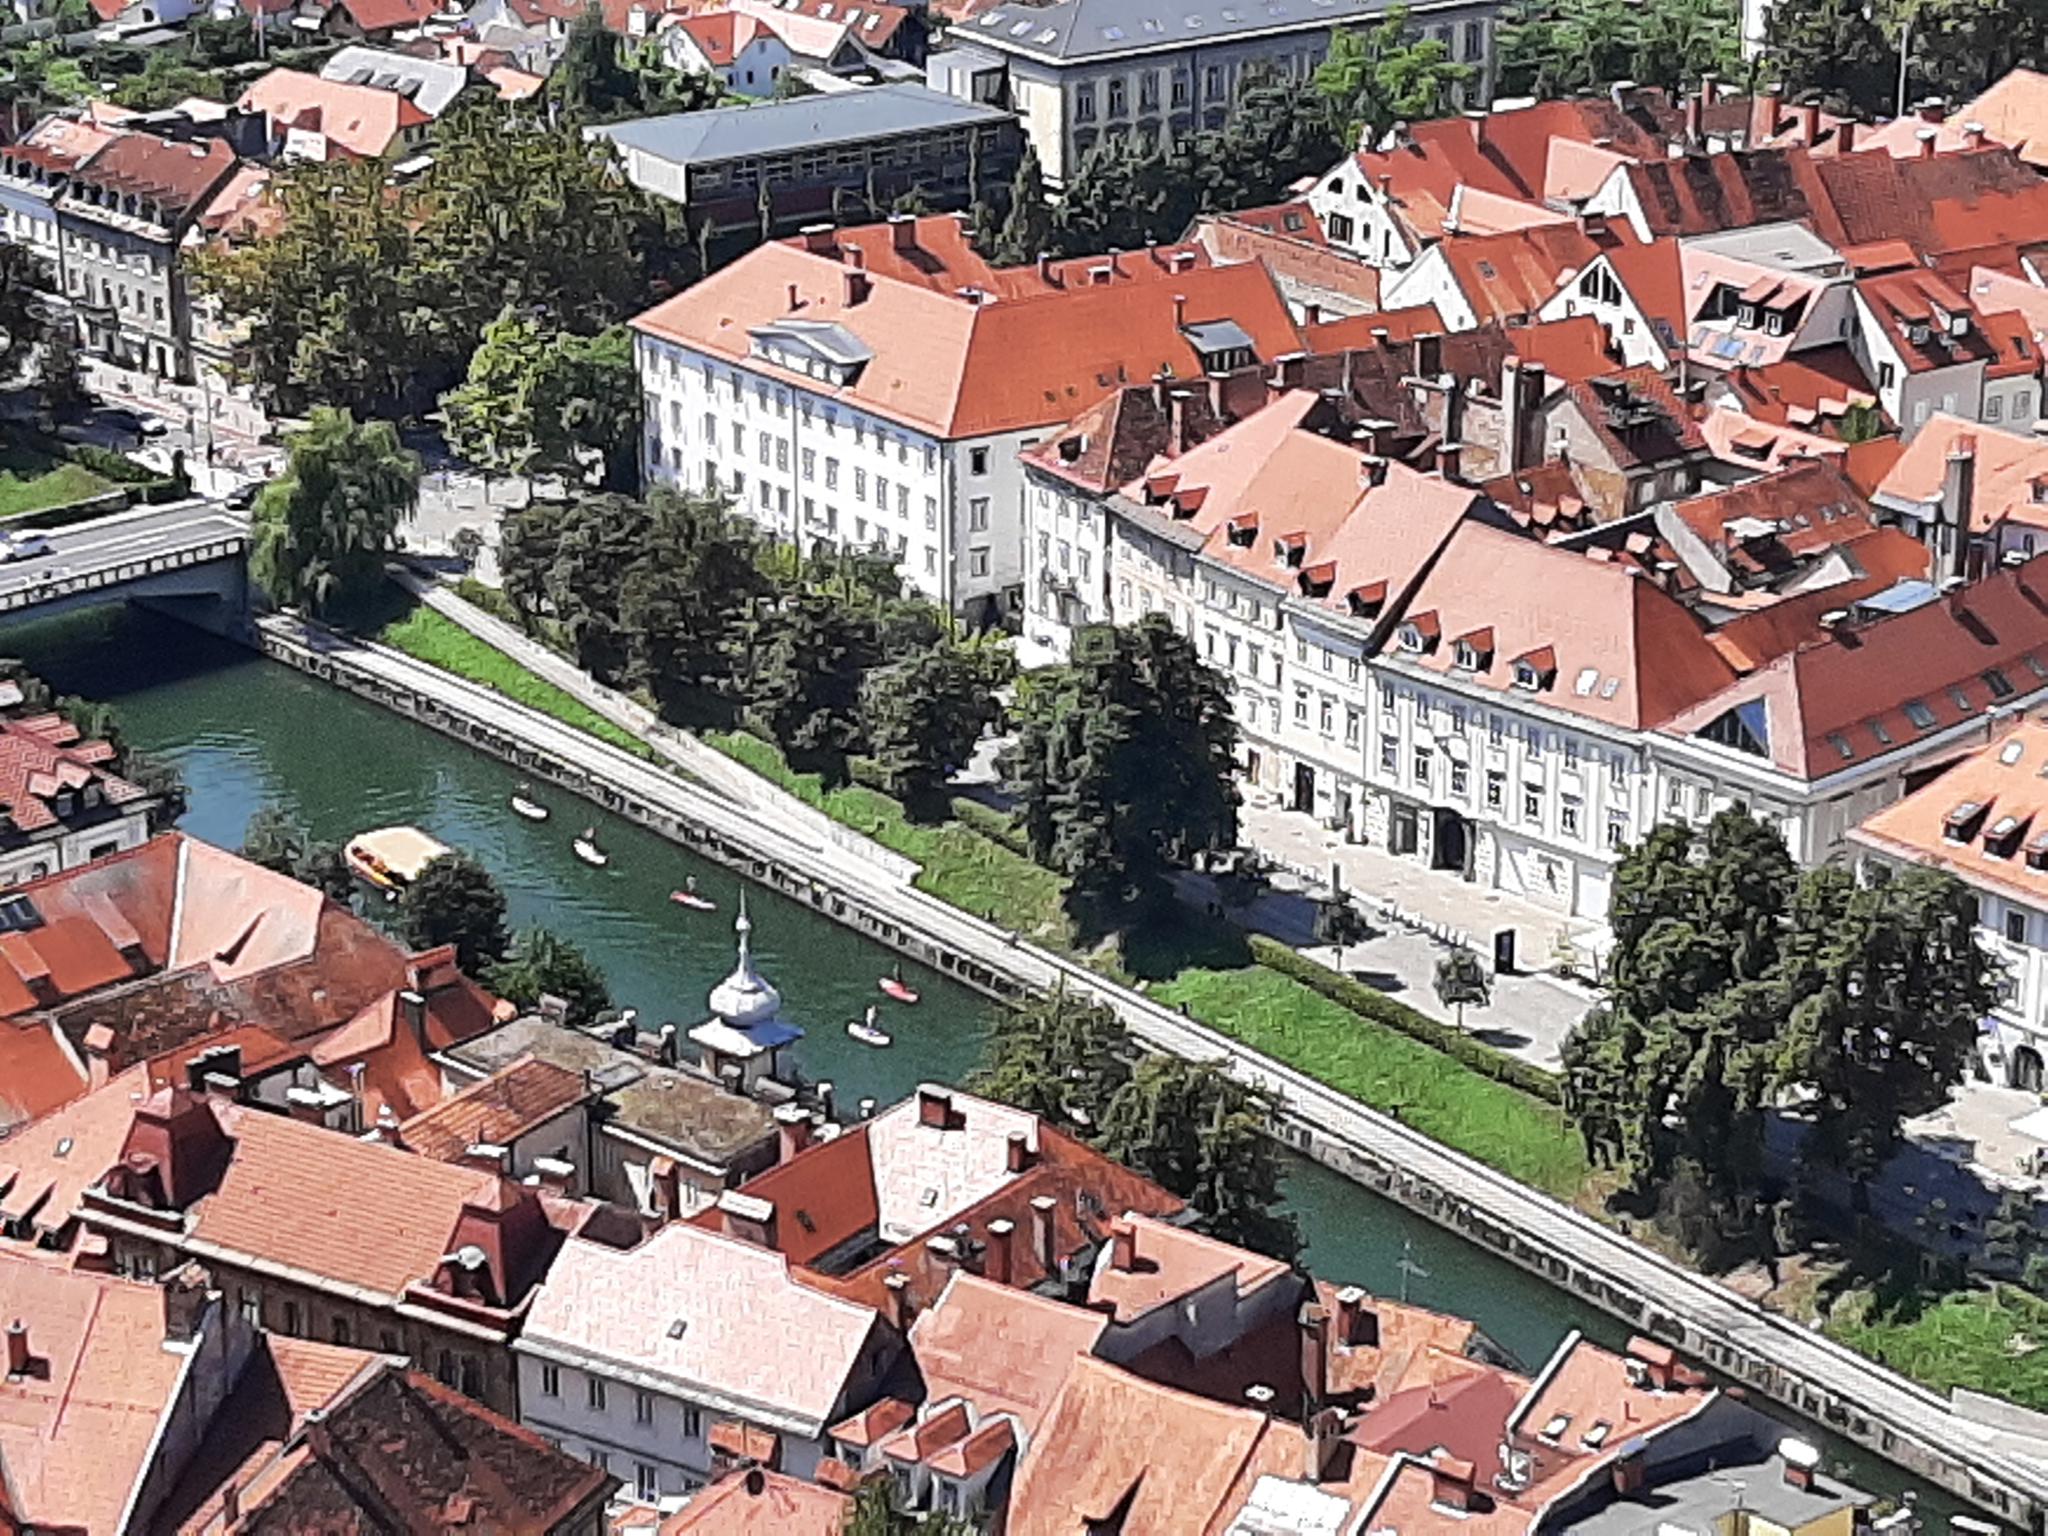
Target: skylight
(1921,716)
(1999,684)
(1587,677)
(2011,753)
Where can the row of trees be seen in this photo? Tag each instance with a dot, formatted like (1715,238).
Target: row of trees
(1187,1125)
(1741,986)
(1552,48)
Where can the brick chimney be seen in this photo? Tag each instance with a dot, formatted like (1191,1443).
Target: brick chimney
(1047,273)
(1763,115)
(1809,122)
(412,1011)
(17,1350)
(1926,138)
(935,1107)
(792,1129)
(1123,1245)
(747,1217)
(1655,1359)
(820,239)
(1845,136)
(486,1157)
(1358,1325)
(1958,503)
(1452,1483)
(1180,311)
(186,1290)
(1695,121)
(1045,1233)
(664,1186)
(903,231)
(1448,457)
(1018,1155)
(1321,1442)
(1315,1353)
(999,1265)
(1974,136)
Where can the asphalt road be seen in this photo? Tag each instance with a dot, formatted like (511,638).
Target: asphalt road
(125,536)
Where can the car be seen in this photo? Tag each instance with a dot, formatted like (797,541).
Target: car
(243,497)
(25,544)
(153,426)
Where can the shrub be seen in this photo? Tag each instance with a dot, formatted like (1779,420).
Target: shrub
(1381,1009)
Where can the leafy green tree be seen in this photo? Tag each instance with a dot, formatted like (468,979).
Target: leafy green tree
(598,541)
(540,964)
(1339,924)
(1201,1134)
(805,692)
(321,530)
(1380,74)
(166,80)
(1888,985)
(1553,48)
(1060,1057)
(873,1512)
(601,77)
(527,544)
(542,401)
(1123,765)
(278,843)
(60,378)
(1838,48)
(923,716)
(455,901)
(1026,230)
(1460,980)
(685,604)
(24,278)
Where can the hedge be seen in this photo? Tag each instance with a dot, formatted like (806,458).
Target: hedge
(110,465)
(1381,1009)
(997,826)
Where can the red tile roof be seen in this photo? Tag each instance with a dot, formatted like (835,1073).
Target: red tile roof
(2011,480)
(47,1165)
(1349,331)
(1509,276)
(1170,1264)
(1004,1350)
(1993,846)
(371,16)
(38,1072)
(176,176)
(936,251)
(361,120)
(757,1502)
(498,1110)
(41,758)
(961,368)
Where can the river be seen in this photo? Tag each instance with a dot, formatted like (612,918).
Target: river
(248,733)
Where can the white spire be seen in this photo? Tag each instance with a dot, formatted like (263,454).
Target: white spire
(745,997)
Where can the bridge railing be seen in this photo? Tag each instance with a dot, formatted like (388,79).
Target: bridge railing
(121,572)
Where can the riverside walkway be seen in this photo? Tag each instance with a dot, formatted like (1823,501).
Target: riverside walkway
(1999,1470)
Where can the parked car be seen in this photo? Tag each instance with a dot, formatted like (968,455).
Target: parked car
(24,544)
(154,426)
(243,497)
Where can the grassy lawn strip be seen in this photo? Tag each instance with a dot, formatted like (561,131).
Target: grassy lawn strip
(426,636)
(1379,1066)
(1993,1340)
(28,486)
(960,866)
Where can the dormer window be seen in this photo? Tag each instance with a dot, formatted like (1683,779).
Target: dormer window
(1962,821)
(2037,853)
(1473,652)
(1921,716)
(1366,602)
(1745,316)
(1242,530)
(2003,838)
(1317,579)
(1536,671)
(1224,346)
(1418,636)
(1289,549)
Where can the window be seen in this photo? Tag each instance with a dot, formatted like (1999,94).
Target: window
(1390,755)
(831,474)
(1496,789)
(472,1377)
(1387,697)
(1117,102)
(594,1393)
(2015,927)
(1568,815)
(291,1319)
(977,461)
(1994,407)
(1341,227)
(1212,83)
(693,1424)
(1617,831)
(1300,703)
(1352,727)
(251,1307)
(810,463)
(1921,716)
(977,562)
(1327,716)
(1999,684)
(1532,803)
(1461,780)
(551,1381)
(341,1332)
(977,515)
(643,1407)
(1421,764)
(643,1481)
(1084,103)
(860,484)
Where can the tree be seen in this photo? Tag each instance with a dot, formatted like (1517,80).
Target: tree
(1199,1133)
(1887,985)
(527,543)
(59,376)
(278,843)
(598,540)
(1377,75)
(1836,47)
(1554,48)
(542,401)
(600,78)
(1062,1058)
(1340,924)
(455,901)
(1124,767)
(24,278)
(873,1512)
(1461,979)
(2013,1243)
(322,529)
(685,604)
(923,716)
(1026,229)
(540,964)
(805,692)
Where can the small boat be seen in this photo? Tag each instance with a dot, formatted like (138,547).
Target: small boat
(525,805)
(894,986)
(868,1032)
(688,897)
(586,849)
(391,858)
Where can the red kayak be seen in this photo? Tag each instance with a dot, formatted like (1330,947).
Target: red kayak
(693,901)
(894,986)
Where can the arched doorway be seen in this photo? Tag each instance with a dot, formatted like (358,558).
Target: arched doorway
(1450,842)
(2026,1069)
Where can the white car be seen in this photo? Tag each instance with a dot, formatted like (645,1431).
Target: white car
(26,544)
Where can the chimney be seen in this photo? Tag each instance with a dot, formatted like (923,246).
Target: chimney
(934,1107)
(99,1047)
(486,1157)
(185,1291)
(855,258)
(795,303)
(1801,1460)
(412,1008)
(998,1265)
(1447,457)
(1763,116)
(747,1217)
(1695,121)
(896,1301)
(230,1504)
(1181,261)
(1808,113)
(1973,136)
(1046,274)
(1932,110)
(819,239)
(1320,1445)
(1123,1246)
(1358,1326)
(1180,311)
(17,1350)
(1452,1483)
(793,1130)
(665,1188)
(1372,471)
(1845,136)
(1927,136)
(1958,498)
(386,1129)
(857,285)
(1045,1233)
(1018,1153)
(903,231)
(1315,1353)
(555,1175)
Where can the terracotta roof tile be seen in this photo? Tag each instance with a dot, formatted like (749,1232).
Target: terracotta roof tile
(2011,479)
(2003,782)
(498,1109)
(361,120)
(1004,1350)
(760,1503)
(1167,1265)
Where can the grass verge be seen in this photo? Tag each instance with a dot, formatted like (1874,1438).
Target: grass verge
(1500,1125)
(426,636)
(1991,1340)
(31,481)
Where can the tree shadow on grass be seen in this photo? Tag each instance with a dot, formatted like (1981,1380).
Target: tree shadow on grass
(1180,940)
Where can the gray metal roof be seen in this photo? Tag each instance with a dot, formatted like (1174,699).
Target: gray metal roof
(431,84)
(1082,29)
(1218,336)
(779,127)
